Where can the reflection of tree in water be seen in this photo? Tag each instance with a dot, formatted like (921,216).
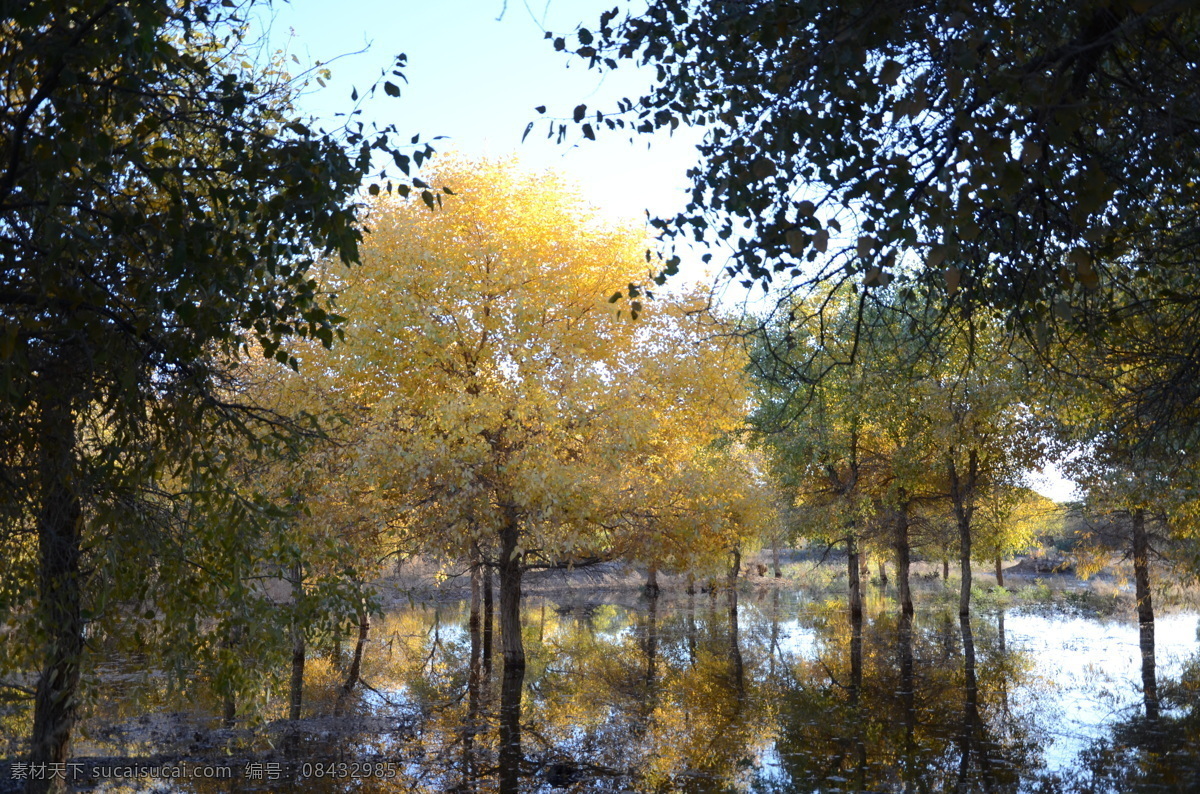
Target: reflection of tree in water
(709,694)
(1155,749)
(893,704)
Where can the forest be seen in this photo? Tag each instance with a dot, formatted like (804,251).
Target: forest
(334,456)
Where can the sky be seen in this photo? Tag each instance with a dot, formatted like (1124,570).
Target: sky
(476,70)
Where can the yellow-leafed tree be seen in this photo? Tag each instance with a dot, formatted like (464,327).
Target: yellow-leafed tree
(515,413)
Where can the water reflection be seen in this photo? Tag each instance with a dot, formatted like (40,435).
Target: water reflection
(771,691)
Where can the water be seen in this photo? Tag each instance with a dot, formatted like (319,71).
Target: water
(773,691)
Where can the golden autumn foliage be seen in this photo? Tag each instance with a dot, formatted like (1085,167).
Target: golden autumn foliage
(499,397)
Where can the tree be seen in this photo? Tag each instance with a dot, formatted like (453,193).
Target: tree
(1032,158)
(842,405)
(160,207)
(514,411)
(1010,518)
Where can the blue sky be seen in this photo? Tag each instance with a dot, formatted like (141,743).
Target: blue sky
(476,71)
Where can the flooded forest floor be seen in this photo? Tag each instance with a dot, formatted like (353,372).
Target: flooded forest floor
(418,718)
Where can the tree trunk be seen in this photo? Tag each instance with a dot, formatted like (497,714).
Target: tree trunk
(474,674)
(999,572)
(1145,611)
(652,580)
(59,530)
(735,567)
(903,553)
(651,646)
(296,688)
(489,612)
(962,493)
(229,710)
(510,596)
(352,676)
(852,577)
(335,645)
(945,569)
(883,577)
(775,556)
(908,700)
(476,590)
(864,568)
(691,626)
(691,584)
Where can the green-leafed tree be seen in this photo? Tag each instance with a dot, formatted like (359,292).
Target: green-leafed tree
(160,206)
(1034,159)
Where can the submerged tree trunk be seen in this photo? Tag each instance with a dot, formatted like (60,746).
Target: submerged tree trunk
(908,699)
(652,580)
(474,671)
(1145,610)
(651,647)
(296,688)
(903,555)
(510,596)
(511,755)
(852,577)
(972,727)
(735,646)
(59,531)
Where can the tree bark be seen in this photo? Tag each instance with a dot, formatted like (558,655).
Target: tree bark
(352,676)
(852,576)
(59,530)
(735,567)
(945,569)
(652,580)
(1145,611)
(476,590)
(883,577)
(296,688)
(962,493)
(651,646)
(489,612)
(513,649)
(999,572)
(775,556)
(474,672)
(903,554)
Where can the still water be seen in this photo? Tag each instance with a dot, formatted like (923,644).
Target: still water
(778,691)
(773,690)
